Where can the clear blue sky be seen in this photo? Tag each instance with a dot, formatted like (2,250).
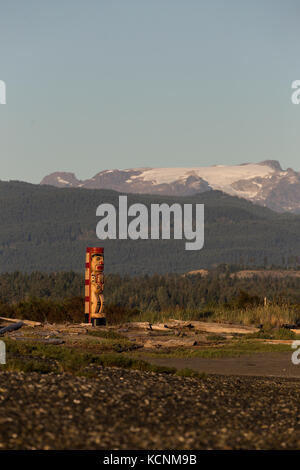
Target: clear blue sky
(99,84)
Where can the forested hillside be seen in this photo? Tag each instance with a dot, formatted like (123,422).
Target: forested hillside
(47,229)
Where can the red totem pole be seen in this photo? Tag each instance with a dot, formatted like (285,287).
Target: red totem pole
(94,284)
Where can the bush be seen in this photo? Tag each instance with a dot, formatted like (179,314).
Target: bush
(116,314)
(245,300)
(43,310)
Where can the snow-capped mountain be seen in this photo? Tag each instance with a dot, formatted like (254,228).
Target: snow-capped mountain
(264,183)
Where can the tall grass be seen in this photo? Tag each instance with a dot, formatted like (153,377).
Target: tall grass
(270,315)
(71,310)
(164,316)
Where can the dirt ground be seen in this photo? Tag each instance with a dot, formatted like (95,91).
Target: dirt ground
(277,364)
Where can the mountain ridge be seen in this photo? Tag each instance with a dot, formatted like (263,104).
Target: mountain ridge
(264,183)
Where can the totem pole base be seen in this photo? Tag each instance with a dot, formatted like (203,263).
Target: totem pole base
(98,321)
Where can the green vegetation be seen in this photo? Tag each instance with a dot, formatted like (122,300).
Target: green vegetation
(190,373)
(233,349)
(32,365)
(280,333)
(31,356)
(109,342)
(47,229)
(215,338)
(270,316)
(220,296)
(34,357)
(69,310)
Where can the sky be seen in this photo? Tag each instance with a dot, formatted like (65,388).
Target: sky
(103,84)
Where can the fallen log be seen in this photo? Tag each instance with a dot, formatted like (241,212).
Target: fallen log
(26,322)
(129,348)
(148,326)
(55,341)
(211,327)
(15,326)
(172,343)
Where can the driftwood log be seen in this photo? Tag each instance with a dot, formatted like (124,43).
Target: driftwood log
(26,322)
(13,327)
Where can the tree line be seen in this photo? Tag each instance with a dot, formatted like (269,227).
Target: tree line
(157,292)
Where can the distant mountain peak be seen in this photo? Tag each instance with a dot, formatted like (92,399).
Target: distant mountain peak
(61,179)
(273,164)
(265,183)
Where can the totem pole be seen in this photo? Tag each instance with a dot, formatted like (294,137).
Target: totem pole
(94,284)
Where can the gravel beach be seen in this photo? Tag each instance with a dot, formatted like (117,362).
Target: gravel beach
(125,409)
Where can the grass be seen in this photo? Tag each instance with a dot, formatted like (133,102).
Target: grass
(104,341)
(106,344)
(31,365)
(269,315)
(278,333)
(190,373)
(234,349)
(163,316)
(33,357)
(215,338)
(106,334)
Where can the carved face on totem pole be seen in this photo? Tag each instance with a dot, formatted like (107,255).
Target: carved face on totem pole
(97,283)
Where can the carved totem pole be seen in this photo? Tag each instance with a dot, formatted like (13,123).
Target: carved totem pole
(94,284)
